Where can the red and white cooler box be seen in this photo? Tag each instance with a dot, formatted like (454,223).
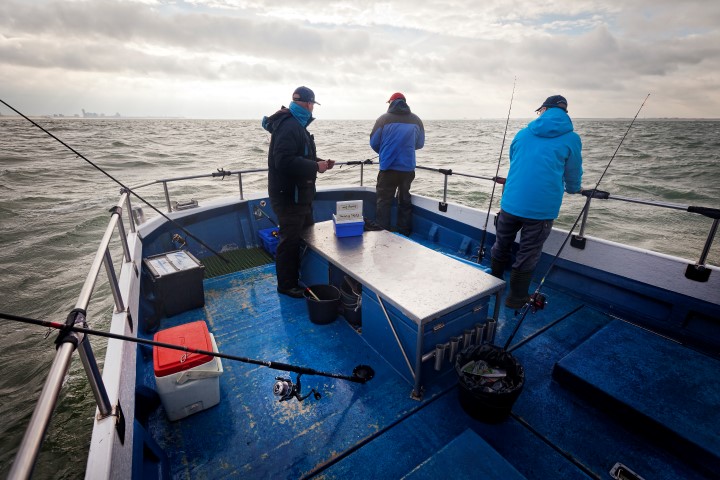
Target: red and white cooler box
(187,382)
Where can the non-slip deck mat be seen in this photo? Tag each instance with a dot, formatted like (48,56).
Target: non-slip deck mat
(237,260)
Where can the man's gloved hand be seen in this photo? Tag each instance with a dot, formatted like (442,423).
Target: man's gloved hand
(324,165)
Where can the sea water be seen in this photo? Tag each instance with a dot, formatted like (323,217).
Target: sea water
(54,210)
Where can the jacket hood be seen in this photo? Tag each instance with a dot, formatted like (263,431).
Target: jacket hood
(399,107)
(270,123)
(552,123)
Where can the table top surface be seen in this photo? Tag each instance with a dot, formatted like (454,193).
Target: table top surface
(420,282)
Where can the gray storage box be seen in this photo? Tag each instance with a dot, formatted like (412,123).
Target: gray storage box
(176,281)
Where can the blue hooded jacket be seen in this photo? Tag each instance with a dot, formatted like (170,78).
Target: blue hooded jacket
(545,160)
(396,135)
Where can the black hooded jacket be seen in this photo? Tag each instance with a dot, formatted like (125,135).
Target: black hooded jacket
(292,159)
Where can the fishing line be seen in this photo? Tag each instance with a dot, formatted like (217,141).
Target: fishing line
(535,300)
(116,181)
(361,373)
(481,249)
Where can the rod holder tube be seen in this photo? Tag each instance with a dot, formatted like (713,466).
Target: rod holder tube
(490,331)
(454,344)
(440,355)
(467,338)
(479,333)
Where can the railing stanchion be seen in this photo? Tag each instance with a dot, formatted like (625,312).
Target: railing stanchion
(708,242)
(112,279)
(242,196)
(95,378)
(128,206)
(167,197)
(123,237)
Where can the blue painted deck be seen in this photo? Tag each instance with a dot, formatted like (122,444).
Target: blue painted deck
(376,430)
(656,385)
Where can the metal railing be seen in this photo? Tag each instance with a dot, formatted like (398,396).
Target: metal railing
(35,432)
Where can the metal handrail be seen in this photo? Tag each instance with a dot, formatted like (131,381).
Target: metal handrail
(710,212)
(35,433)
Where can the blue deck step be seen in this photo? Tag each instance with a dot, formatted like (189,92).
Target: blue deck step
(668,391)
(453,459)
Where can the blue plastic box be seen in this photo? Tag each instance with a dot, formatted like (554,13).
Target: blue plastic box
(269,238)
(350,229)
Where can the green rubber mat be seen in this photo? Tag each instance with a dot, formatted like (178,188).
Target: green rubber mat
(237,260)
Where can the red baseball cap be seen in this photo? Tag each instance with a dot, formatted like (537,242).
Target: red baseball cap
(396,96)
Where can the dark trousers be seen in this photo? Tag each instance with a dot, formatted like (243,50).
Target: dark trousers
(533,234)
(293,219)
(389,181)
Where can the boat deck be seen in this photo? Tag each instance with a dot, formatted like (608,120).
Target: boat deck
(377,430)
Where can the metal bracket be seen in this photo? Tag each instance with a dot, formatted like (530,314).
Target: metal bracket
(621,472)
(117,412)
(578,242)
(442,206)
(129,319)
(697,273)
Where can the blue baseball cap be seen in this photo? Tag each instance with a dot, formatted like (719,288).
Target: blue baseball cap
(304,94)
(556,101)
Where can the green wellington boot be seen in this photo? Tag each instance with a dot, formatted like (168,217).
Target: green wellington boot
(519,284)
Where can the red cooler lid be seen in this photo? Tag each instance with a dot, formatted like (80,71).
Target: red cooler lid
(195,335)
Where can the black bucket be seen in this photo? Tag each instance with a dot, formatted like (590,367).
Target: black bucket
(351,307)
(482,396)
(324,310)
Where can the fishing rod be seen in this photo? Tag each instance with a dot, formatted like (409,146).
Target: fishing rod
(123,186)
(536,300)
(496,179)
(361,373)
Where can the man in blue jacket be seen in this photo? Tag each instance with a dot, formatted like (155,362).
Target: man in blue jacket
(395,136)
(545,161)
(293,165)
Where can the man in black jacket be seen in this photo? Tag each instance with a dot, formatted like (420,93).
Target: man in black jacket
(292,169)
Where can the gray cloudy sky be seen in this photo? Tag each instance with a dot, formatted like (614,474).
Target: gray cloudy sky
(452,58)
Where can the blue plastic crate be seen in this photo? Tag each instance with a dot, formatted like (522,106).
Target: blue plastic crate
(351,229)
(269,238)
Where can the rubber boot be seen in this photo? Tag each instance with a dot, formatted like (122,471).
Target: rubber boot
(498,268)
(519,284)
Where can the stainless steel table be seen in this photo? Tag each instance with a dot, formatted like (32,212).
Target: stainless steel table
(421,283)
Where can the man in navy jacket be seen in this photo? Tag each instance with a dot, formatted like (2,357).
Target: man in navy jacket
(293,165)
(395,136)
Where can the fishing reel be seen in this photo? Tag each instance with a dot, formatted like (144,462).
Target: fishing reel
(537,301)
(179,241)
(286,390)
